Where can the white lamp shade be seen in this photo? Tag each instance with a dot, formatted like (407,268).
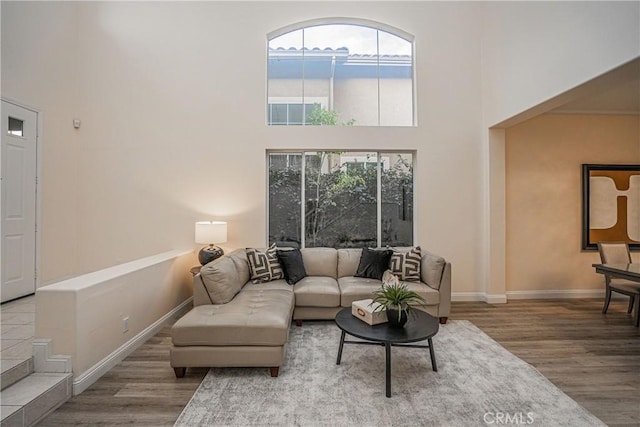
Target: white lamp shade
(211,232)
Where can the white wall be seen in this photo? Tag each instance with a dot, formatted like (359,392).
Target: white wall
(83,316)
(533,51)
(172,101)
(39,70)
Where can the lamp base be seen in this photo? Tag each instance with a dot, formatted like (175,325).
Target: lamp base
(209,253)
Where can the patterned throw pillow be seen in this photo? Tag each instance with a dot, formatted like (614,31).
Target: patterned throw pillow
(264,266)
(406,265)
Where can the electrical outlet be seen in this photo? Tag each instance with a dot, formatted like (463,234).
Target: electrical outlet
(125,324)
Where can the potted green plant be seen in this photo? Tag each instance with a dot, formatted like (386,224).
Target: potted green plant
(395,297)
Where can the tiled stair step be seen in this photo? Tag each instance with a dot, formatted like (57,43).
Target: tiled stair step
(15,370)
(32,398)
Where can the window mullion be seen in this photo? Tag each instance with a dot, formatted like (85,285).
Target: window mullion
(303,74)
(378,70)
(379,200)
(303,197)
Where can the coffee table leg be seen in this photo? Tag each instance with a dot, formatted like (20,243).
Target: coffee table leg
(433,356)
(340,348)
(387,350)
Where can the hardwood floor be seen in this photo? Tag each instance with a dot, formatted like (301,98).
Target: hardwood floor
(593,358)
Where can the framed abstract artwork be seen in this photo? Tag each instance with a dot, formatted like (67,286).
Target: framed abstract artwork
(610,205)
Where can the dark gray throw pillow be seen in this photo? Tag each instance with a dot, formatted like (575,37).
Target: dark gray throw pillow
(292,264)
(373,263)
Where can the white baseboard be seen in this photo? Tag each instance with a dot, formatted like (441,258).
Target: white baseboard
(91,375)
(557,294)
(44,361)
(496,298)
(535,294)
(468,296)
(479,296)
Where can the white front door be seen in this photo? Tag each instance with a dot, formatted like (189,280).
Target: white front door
(18,206)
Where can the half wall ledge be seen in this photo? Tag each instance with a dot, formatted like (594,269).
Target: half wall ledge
(102,316)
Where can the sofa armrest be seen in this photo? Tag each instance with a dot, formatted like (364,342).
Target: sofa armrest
(444,308)
(200,294)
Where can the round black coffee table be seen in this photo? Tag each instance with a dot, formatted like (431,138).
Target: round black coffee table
(421,326)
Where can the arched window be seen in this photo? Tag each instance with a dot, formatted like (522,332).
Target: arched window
(340,72)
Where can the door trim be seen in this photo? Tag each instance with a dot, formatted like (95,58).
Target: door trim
(39,131)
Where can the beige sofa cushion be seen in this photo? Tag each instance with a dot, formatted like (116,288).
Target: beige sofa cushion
(431,270)
(320,261)
(431,296)
(224,277)
(257,318)
(317,291)
(280,285)
(348,261)
(357,288)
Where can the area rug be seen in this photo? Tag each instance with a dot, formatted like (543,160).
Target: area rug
(478,383)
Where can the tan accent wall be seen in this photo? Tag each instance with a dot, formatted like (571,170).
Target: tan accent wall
(543,191)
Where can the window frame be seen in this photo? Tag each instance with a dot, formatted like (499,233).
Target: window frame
(293,100)
(379,154)
(357,22)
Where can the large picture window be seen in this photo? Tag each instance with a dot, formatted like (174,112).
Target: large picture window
(363,70)
(340,199)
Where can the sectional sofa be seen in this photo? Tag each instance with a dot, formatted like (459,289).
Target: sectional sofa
(237,323)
